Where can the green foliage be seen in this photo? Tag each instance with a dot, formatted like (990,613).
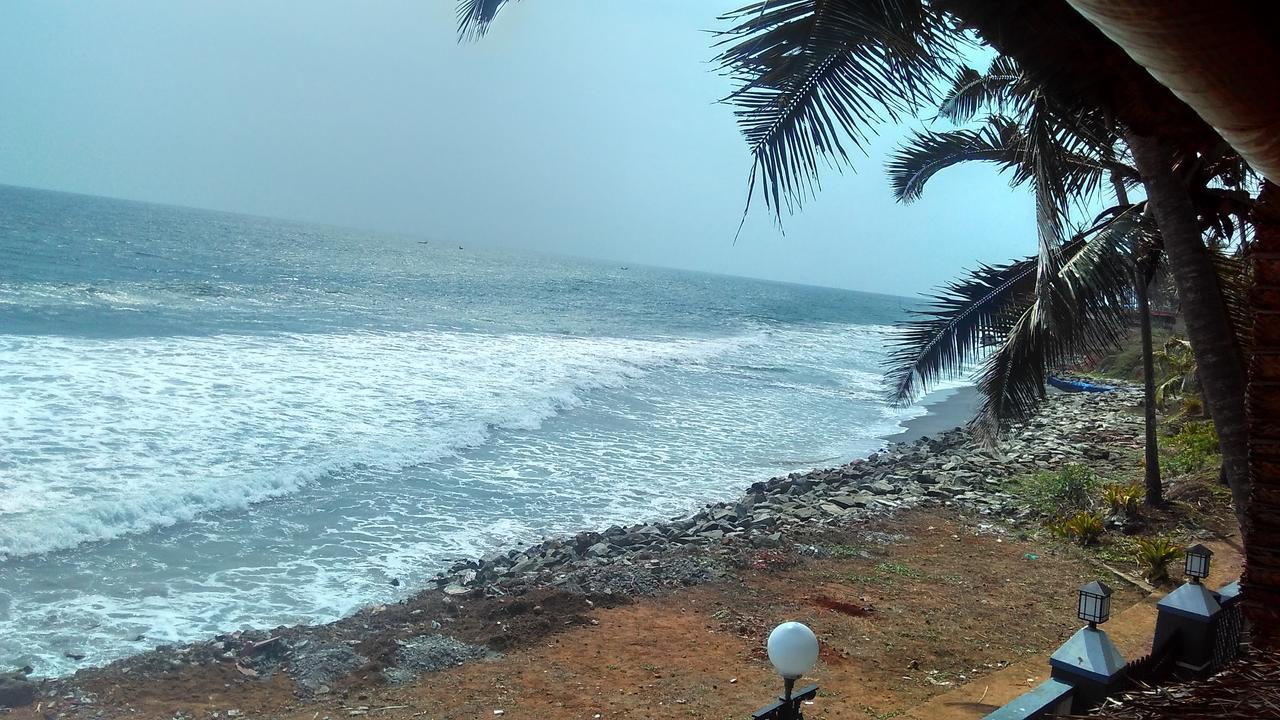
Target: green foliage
(1193,447)
(1084,527)
(1154,555)
(897,569)
(1060,493)
(1122,498)
(1178,369)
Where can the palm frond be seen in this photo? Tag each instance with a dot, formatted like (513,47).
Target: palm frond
(971,91)
(948,336)
(1091,308)
(927,153)
(816,75)
(474,17)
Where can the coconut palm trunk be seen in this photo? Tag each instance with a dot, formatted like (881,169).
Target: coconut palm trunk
(1141,283)
(1151,475)
(1209,327)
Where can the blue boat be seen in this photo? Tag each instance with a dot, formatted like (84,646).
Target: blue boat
(1078,385)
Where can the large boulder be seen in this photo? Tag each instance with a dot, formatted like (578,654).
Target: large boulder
(16,690)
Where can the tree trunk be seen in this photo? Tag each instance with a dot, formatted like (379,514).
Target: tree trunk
(1155,490)
(1141,280)
(1209,329)
(1262,543)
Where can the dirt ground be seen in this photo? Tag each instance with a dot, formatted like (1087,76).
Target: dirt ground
(905,609)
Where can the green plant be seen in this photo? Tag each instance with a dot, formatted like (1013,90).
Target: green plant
(1084,527)
(897,569)
(1154,555)
(1179,366)
(1122,498)
(1194,446)
(1062,493)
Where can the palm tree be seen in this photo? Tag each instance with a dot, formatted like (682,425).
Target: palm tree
(1024,134)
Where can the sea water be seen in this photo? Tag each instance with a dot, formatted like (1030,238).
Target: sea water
(211,421)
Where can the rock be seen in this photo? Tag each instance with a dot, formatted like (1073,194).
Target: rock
(315,666)
(526,565)
(772,540)
(850,501)
(804,513)
(600,550)
(879,487)
(16,690)
(430,654)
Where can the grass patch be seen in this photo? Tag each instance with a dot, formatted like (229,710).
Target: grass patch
(1193,447)
(896,569)
(1060,493)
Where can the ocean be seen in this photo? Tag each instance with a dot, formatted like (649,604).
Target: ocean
(210,421)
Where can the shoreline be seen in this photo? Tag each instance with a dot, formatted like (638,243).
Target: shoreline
(946,410)
(943,410)
(564,577)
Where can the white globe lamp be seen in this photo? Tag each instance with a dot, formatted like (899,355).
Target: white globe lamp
(793,649)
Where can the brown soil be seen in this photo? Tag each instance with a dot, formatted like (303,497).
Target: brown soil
(902,618)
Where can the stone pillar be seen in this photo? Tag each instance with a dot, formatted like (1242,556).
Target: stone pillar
(1090,663)
(1188,617)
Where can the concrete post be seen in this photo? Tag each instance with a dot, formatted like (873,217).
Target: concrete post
(1090,663)
(1188,616)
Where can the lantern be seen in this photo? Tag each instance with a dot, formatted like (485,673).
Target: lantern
(1095,603)
(1197,563)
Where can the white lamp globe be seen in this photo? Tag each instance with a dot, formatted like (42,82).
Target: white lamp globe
(793,649)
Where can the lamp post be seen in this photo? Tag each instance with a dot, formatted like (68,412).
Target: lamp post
(1089,661)
(1197,562)
(793,649)
(1094,605)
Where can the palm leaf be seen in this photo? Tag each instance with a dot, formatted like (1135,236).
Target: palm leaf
(474,17)
(817,75)
(1092,291)
(948,336)
(996,90)
(927,153)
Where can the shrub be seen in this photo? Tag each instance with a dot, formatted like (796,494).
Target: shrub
(1193,446)
(1123,498)
(1084,527)
(1059,494)
(1154,555)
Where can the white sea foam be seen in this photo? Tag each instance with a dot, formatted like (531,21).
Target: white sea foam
(101,438)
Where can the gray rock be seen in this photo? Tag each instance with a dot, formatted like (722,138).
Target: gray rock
(850,501)
(315,665)
(771,540)
(804,513)
(16,690)
(430,653)
(880,487)
(600,550)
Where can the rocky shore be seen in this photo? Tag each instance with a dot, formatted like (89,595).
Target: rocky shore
(481,606)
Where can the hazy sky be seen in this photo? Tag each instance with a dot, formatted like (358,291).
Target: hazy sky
(577,126)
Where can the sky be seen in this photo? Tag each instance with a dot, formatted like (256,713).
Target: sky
(576,127)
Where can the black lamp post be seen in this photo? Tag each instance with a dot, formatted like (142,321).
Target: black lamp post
(1197,562)
(793,649)
(1094,606)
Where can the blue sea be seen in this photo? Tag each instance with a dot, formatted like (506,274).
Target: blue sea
(210,421)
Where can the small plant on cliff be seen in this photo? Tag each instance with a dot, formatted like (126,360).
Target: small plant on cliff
(1084,527)
(1059,494)
(1194,447)
(1154,555)
(1122,498)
